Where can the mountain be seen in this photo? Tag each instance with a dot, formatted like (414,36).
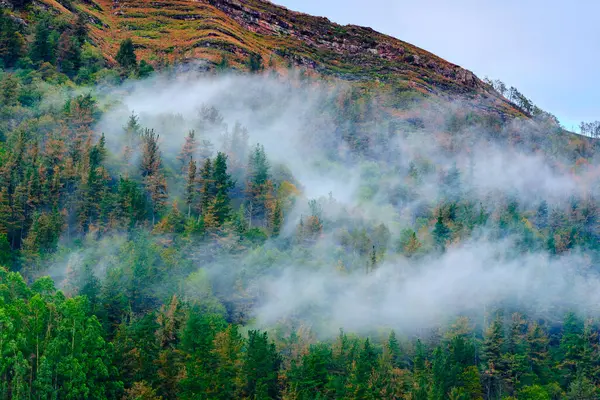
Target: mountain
(287,209)
(212,30)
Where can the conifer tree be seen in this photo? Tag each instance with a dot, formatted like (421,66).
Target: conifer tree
(144,69)
(151,169)
(493,348)
(189,149)
(190,188)
(42,49)
(259,190)
(126,56)
(228,346)
(261,367)
(69,53)
(11,40)
(223,183)
(441,233)
(277,220)
(207,186)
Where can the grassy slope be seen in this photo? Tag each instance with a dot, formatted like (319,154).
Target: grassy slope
(183,30)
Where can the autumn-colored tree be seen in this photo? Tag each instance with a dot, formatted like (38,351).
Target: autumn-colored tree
(189,150)
(151,170)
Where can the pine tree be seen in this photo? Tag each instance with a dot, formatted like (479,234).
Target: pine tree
(412,246)
(259,189)
(69,53)
(190,188)
(42,49)
(228,346)
(311,377)
(9,90)
(207,186)
(94,186)
(133,134)
(132,205)
(539,357)
(277,220)
(255,62)
(144,69)
(151,169)
(198,340)
(5,211)
(223,183)
(421,387)
(493,345)
(261,367)
(394,348)
(441,233)
(11,40)
(189,149)
(126,56)
(372,261)
(90,286)
(572,346)
(172,222)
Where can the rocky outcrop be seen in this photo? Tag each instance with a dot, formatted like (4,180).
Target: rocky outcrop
(354,45)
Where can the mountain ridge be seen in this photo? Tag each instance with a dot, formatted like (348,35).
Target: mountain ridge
(180,31)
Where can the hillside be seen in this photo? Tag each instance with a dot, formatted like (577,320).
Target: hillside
(244,202)
(182,31)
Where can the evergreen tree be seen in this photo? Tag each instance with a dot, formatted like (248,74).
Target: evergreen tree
(189,149)
(259,190)
(42,49)
(11,40)
(151,169)
(144,69)
(69,53)
(310,379)
(126,56)
(277,221)
(207,186)
(190,188)
(255,62)
(493,345)
(222,183)
(261,367)
(441,233)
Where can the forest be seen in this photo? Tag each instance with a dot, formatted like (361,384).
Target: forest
(265,234)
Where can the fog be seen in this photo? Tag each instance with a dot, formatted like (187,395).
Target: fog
(291,118)
(471,279)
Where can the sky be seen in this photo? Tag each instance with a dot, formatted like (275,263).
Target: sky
(548,49)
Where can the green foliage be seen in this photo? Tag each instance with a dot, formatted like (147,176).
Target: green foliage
(144,69)
(43,48)
(5,253)
(261,367)
(126,56)
(255,62)
(441,232)
(159,298)
(223,184)
(223,65)
(11,40)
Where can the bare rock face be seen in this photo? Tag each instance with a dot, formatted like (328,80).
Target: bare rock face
(353,45)
(466,77)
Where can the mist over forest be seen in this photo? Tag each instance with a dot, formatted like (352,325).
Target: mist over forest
(202,231)
(364,194)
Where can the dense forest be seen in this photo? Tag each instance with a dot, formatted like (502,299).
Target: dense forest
(195,234)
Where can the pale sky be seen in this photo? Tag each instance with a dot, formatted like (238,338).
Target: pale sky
(548,49)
